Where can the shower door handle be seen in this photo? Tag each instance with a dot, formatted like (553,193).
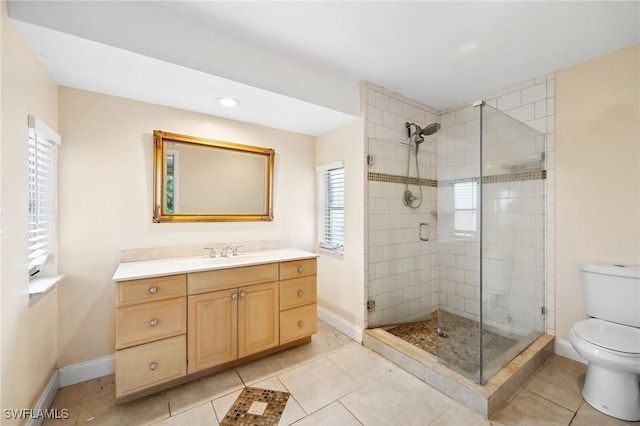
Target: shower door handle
(424,226)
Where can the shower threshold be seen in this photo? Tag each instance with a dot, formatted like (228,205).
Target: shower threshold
(484,400)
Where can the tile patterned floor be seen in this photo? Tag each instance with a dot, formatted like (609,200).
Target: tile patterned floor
(334,381)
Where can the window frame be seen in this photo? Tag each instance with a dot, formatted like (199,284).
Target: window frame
(41,138)
(331,200)
(465,233)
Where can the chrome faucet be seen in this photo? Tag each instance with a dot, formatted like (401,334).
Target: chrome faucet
(212,251)
(235,249)
(225,251)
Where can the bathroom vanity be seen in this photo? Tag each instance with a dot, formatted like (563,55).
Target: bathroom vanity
(180,319)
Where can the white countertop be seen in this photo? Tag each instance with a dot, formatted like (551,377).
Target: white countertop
(158,268)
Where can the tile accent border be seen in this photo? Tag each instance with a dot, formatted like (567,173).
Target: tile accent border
(507,177)
(385,177)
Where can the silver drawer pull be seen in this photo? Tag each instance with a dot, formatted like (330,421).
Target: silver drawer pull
(153,366)
(243,294)
(300,293)
(234,296)
(300,269)
(153,322)
(300,324)
(153,290)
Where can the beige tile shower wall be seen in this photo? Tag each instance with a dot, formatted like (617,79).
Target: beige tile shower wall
(532,103)
(402,270)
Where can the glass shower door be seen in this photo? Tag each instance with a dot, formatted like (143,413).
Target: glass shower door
(491,230)
(512,238)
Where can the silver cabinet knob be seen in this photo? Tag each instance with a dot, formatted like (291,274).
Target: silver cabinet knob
(300,269)
(300,293)
(243,294)
(234,296)
(153,366)
(153,322)
(153,290)
(300,324)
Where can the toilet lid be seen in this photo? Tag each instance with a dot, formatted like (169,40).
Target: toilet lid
(610,335)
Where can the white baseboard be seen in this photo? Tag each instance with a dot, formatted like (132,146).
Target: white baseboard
(46,398)
(78,373)
(565,349)
(351,330)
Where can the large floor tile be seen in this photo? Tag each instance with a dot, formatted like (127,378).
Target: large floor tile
(460,415)
(264,368)
(328,339)
(396,398)
(332,414)
(527,408)
(203,390)
(102,387)
(589,416)
(560,380)
(360,362)
(142,411)
(201,415)
(317,383)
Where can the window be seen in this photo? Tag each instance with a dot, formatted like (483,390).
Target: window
(465,200)
(331,206)
(43,144)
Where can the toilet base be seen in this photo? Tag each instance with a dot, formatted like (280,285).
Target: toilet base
(614,393)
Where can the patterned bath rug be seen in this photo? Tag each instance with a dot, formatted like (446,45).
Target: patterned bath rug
(256,407)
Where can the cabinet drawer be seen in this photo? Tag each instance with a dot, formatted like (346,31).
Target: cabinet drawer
(143,366)
(202,282)
(150,321)
(297,292)
(298,322)
(297,268)
(151,289)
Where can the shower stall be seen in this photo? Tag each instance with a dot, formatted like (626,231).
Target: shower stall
(456,237)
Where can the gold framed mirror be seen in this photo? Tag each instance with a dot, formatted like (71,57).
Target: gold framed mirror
(202,180)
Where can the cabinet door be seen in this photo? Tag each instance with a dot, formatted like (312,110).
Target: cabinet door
(212,329)
(258,318)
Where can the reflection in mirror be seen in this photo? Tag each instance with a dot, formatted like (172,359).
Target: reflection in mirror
(203,180)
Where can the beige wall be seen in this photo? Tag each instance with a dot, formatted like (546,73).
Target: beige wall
(598,172)
(341,279)
(106,202)
(29,339)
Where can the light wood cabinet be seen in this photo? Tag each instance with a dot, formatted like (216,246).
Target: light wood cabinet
(298,300)
(258,318)
(213,329)
(175,328)
(151,327)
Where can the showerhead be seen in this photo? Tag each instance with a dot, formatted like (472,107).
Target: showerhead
(421,132)
(430,129)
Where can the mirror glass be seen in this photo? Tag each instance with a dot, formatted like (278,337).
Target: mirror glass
(198,179)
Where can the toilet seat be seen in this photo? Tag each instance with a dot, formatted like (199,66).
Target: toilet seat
(609,335)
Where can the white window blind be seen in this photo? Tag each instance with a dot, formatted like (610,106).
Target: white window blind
(465,198)
(331,215)
(42,179)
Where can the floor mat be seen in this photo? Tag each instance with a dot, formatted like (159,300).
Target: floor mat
(256,407)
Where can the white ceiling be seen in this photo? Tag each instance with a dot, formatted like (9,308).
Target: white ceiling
(296,65)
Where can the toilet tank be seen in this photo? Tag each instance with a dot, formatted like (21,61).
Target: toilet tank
(611,292)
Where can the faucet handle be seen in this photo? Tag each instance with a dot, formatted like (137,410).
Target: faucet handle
(235,249)
(212,251)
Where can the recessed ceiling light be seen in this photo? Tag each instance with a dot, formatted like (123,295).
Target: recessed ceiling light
(228,102)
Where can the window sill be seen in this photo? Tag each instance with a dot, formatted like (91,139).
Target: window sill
(332,253)
(39,287)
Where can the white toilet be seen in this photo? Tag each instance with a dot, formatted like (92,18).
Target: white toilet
(610,339)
